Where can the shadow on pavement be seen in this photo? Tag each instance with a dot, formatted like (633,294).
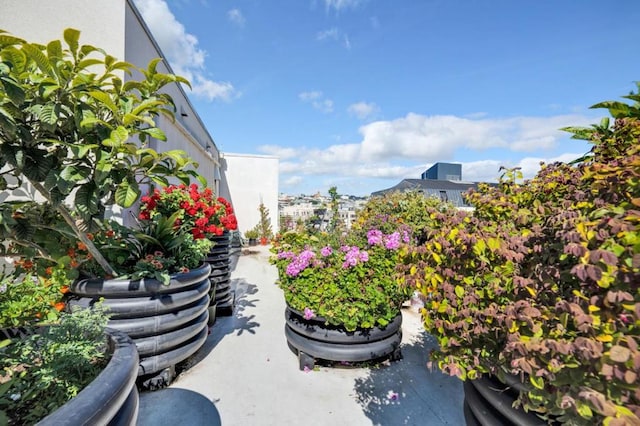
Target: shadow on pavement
(406,392)
(175,406)
(237,323)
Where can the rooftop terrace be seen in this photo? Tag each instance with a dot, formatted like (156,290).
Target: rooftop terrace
(245,374)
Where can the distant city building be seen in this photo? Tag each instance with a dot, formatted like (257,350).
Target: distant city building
(443,171)
(442,180)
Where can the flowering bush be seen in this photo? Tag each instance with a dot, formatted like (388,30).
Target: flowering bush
(542,280)
(199,210)
(30,298)
(352,284)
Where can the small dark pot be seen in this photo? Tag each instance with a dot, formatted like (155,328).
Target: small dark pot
(489,402)
(253,241)
(313,339)
(112,397)
(168,322)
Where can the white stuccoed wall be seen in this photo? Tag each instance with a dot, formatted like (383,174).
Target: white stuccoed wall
(117,27)
(248,180)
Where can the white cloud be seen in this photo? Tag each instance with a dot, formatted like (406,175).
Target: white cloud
(236,17)
(317,100)
(281,152)
(309,96)
(347,42)
(405,147)
(334,34)
(439,136)
(339,5)
(363,110)
(181,49)
(331,33)
(293,181)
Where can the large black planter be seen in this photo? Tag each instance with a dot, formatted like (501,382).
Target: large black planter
(168,323)
(222,296)
(112,397)
(488,402)
(313,339)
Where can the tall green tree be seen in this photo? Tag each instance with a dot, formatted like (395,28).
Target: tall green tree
(78,134)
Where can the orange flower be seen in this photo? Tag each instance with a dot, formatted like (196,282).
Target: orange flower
(64,289)
(59,306)
(49,270)
(73,263)
(27,264)
(90,237)
(82,246)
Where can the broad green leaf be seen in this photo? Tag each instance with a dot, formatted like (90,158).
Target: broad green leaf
(54,51)
(48,114)
(127,193)
(85,200)
(39,58)
(155,132)
(80,151)
(459,291)
(13,90)
(6,39)
(71,37)
(85,63)
(15,57)
(105,99)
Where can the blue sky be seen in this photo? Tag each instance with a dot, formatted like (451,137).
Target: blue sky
(361,94)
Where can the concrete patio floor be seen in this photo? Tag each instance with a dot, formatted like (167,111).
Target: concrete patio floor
(245,374)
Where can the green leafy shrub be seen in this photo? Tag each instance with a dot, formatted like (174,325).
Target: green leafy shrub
(349,277)
(43,371)
(542,280)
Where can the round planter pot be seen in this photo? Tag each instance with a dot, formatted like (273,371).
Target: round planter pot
(488,402)
(112,397)
(222,298)
(166,321)
(313,339)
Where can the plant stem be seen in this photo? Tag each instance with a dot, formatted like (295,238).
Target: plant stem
(66,215)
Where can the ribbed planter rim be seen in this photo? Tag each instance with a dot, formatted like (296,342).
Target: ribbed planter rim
(136,288)
(100,401)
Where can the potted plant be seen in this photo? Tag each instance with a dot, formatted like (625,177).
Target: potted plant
(264,226)
(68,124)
(252,236)
(343,295)
(538,287)
(69,370)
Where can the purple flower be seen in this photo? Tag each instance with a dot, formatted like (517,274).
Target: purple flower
(393,396)
(363,256)
(326,251)
(308,313)
(351,257)
(300,262)
(286,255)
(374,237)
(392,241)
(406,236)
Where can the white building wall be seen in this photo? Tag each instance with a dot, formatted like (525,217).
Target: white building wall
(101,22)
(247,181)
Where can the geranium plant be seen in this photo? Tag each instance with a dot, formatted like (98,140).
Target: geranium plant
(542,280)
(199,210)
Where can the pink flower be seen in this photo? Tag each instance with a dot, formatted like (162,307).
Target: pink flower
(374,237)
(308,314)
(326,251)
(393,396)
